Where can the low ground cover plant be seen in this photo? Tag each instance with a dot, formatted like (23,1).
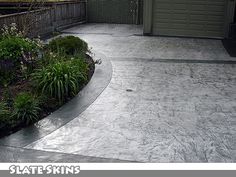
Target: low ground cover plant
(68,45)
(35,78)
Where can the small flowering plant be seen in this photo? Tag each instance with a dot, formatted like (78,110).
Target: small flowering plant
(11,30)
(16,50)
(13,44)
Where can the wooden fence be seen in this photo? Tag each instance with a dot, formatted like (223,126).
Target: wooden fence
(54,17)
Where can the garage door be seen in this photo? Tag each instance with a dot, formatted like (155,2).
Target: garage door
(193,18)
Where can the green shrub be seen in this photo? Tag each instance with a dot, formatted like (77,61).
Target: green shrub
(50,58)
(4,113)
(14,47)
(81,68)
(7,97)
(7,72)
(69,45)
(61,79)
(17,54)
(26,108)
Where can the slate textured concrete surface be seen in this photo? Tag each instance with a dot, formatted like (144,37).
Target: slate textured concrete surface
(155,110)
(127,41)
(22,155)
(174,113)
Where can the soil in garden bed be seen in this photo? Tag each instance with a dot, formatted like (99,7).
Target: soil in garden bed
(47,107)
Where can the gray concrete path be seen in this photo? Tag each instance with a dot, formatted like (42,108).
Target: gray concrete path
(23,155)
(169,100)
(126,41)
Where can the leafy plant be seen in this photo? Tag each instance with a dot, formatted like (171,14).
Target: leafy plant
(4,113)
(81,68)
(11,30)
(7,72)
(26,108)
(69,45)
(17,54)
(50,58)
(7,97)
(61,79)
(15,47)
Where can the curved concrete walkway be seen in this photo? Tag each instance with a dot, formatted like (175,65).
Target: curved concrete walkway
(169,100)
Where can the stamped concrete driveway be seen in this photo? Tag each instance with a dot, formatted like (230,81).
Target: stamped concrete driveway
(169,100)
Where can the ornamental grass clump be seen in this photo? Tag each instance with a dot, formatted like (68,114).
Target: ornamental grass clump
(61,79)
(26,108)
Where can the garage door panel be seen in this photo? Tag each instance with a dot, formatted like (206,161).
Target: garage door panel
(211,11)
(198,18)
(186,13)
(189,26)
(209,2)
(193,16)
(174,32)
(180,26)
(205,18)
(192,26)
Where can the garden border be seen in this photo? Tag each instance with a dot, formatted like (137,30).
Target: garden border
(99,81)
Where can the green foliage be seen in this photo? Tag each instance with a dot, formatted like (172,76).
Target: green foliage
(26,108)
(14,47)
(7,97)
(69,45)
(17,53)
(7,72)
(4,113)
(50,58)
(80,67)
(11,30)
(61,79)
(61,72)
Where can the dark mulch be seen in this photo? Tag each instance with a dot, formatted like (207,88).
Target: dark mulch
(230,46)
(48,107)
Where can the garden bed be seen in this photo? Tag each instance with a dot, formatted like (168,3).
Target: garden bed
(49,106)
(59,71)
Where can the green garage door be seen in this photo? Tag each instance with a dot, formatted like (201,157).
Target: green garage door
(193,18)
